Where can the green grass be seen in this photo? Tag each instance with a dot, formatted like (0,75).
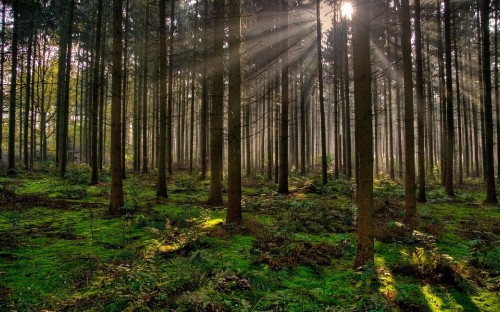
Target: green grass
(62,251)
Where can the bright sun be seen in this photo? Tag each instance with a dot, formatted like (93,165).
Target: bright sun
(346,10)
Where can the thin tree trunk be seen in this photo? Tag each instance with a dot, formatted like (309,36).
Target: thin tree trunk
(161,190)
(145,158)
(410,199)
(419,88)
(116,201)
(204,98)
(234,116)
(324,165)
(283,148)
(449,101)
(65,107)
(95,95)
(491,197)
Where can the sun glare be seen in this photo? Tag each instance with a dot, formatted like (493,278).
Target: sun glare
(347,10)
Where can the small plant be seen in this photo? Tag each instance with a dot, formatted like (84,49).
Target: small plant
(13,217)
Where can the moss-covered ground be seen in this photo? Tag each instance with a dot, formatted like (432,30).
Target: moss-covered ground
(60,250)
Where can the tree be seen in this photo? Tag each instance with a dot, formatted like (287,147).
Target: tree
(13,86)
(450,128)
(363,132)
(419,88)
(491,197)
(216,120)
(116,159)
(2,67)
(410,200)
(324,165)
(161,190)
(234,116)
(283,143)
(95,95)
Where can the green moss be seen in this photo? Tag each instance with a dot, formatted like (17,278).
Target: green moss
(73,254)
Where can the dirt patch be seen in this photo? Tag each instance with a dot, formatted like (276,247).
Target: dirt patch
(9,201)
(5,293)
(278,252)
(388,222)
(487,229)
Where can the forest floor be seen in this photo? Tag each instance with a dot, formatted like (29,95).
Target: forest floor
(61,251)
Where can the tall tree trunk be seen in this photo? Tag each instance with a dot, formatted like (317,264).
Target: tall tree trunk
(95,95)
(283,145)
(161,190)
(449,101)
(410,199)
(216,120)
(13,86)
(116,201)
(302,122)
(491,197)
(27,99)
(234,116)
(324,165)
(2,68)
(363,132)
(145,158)
(204,98)
(124,90)
(497,94)
(442,94)
(459,112)
(65,104)
(419,88)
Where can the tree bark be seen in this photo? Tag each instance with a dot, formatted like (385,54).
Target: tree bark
(419,88)
(491,197)
(363,132)
(410,199)
(449,101)
(234,116)
(116,201)
(324,165)
(283,144)
(216,120)
(95,95)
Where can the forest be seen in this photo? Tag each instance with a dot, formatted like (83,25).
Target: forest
(249,155)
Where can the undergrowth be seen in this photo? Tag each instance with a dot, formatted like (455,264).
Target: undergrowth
(61,251)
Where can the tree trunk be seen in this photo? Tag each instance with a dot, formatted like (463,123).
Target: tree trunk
(116,201)
(161,190)
(27,100)
(324,165)
(234,116)
(363,132)
(216,120)
(283,145)
(95,95)
(410,199)
(449,101)
(145,158)
(13,87)
(2,68)
(419,88)
(65,104)
(204,98)
(491,197)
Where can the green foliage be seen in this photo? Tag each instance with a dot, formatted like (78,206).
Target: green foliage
(12,217)
(387,189)
(492,260)
(294,253)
